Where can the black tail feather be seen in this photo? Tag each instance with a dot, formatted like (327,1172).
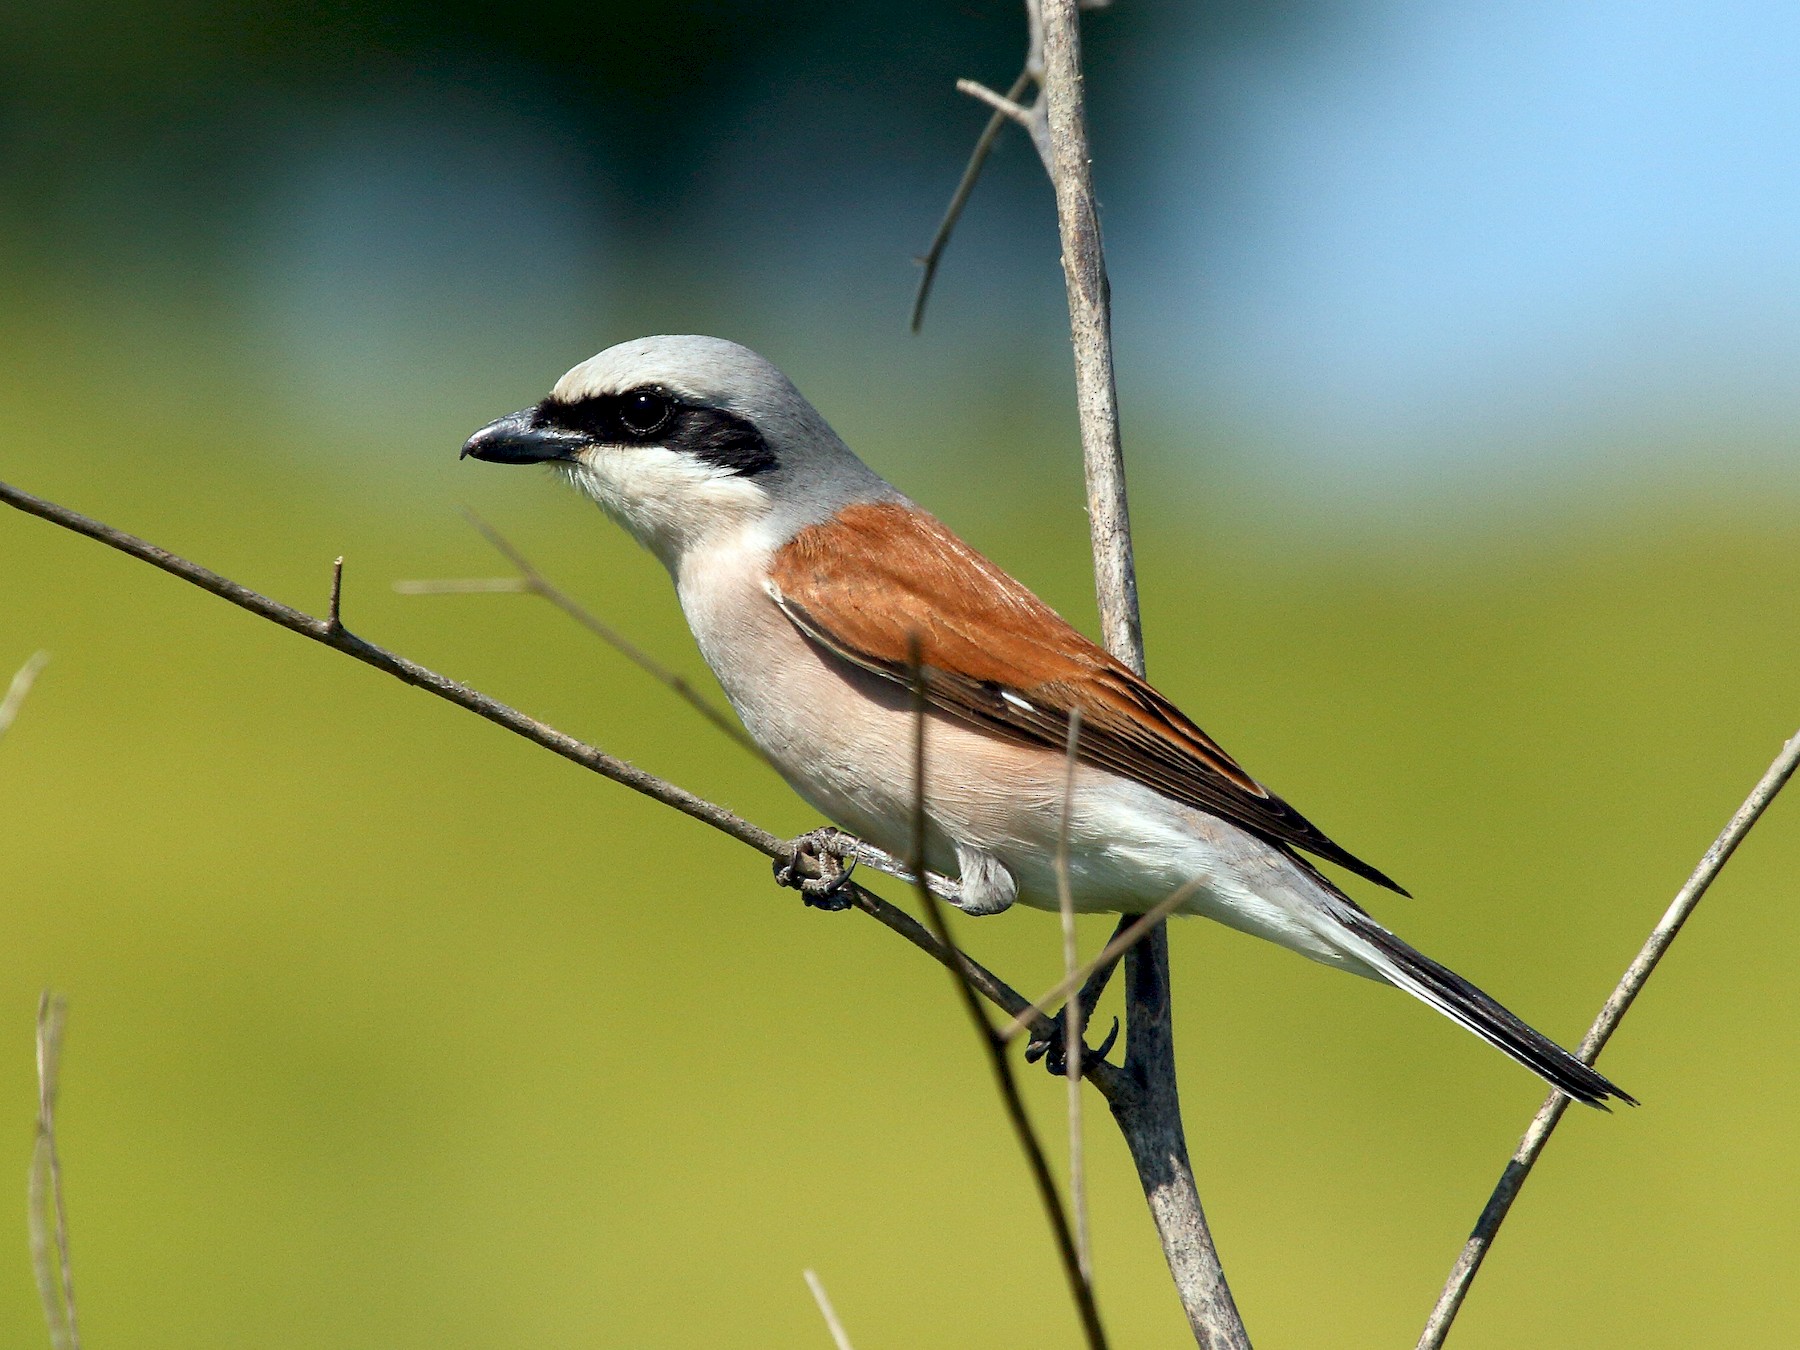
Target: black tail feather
(1451,994)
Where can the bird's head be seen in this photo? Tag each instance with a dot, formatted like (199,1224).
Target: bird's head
(685,441)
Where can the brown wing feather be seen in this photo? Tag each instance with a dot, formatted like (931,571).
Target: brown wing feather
(865,583)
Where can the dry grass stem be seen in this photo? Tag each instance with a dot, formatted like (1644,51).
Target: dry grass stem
(465,586)
(48,1218)
(839,1337)
(991,1044)
(20,687)
(1072,1020)
(1537,1134)
(1127,937)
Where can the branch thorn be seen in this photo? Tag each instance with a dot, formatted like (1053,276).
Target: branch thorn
(1000,103)
(333,621)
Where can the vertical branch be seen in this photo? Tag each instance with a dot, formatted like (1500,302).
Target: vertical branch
(1537,1134)
(1149,1116)
(991,1043)
(1090,332)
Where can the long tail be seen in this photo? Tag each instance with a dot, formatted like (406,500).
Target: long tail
(1462,1002)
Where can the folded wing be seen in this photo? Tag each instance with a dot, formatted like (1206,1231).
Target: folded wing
(879,576)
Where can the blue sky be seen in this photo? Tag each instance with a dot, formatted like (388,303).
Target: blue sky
(1442,226)
(1416,242)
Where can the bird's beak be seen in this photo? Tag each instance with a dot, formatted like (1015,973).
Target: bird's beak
(514,440)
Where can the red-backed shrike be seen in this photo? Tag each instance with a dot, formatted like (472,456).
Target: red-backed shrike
(806,578)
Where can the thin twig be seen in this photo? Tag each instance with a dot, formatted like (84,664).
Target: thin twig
(839,1337)
(982,980)
(1079,1285)
(1031,1016)
(465,586)
(531,581)
(1072,1023)
(48,1216)
(971,174)
(1487,1227)
(1003,104)
(1033,117)
(19,688)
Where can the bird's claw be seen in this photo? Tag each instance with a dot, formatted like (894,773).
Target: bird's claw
(1053,1049)
(817,865)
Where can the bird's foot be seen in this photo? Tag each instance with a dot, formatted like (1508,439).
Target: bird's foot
(817,864)
(1053,1049)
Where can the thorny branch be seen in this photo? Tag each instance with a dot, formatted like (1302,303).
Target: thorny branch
(531,581)
(990,986)
(1537,1135)
(1080,1283)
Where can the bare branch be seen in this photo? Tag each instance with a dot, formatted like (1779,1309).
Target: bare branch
(1090,327)
(20,687)
(1149,1118)
(1149,1115)
(410,672)
(1133,931)
(1537,1135)
(1072,1022)
(982,980)
(839,1337)
(48,1216)
(1079,1285)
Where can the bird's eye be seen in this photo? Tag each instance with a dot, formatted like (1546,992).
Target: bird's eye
(645,411)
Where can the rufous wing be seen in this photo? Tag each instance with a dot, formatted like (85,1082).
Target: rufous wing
(880,576)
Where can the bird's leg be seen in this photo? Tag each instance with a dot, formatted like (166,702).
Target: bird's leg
(817,864)
(985,885)
(1053,1048)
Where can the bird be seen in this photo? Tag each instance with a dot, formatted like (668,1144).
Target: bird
(820,596)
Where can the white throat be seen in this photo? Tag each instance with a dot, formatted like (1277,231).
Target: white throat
(672,504)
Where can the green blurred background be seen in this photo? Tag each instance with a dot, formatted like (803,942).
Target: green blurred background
(390,1030)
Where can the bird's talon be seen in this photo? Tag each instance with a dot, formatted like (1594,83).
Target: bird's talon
(1053,1049)
(817,865)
